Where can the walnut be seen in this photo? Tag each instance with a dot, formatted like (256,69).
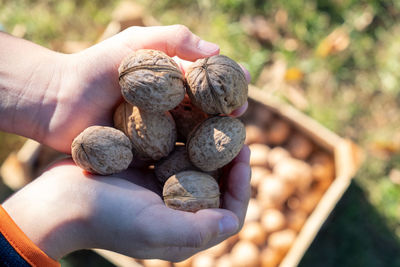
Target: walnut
(276,155)
(203,260)
(253,232)
(215,142)
(217,85)
(270,257)
(278,132)
(295,172)
(191,191)
(257,175)
(273,192)
(253,212)
(259,155)
(177,161)
(153,135)
(255,134)
(323,166)
(296,219)
(102,150)
(186,117)
(299,146)
(273,220)
(282,240)
(151,80)
(245,254)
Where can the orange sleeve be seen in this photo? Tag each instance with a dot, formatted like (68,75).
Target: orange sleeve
(22,244)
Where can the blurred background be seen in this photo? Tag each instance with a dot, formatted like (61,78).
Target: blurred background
(337,61)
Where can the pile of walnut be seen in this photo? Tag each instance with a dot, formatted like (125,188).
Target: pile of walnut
(290,174)
(157,114)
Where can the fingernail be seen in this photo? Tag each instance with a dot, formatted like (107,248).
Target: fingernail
(207,47)
(228,225)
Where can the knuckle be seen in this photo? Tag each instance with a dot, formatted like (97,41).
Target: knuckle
(182,32)
(132,30)
(197,239)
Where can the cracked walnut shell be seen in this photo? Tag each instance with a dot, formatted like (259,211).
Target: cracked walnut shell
(102,150)
(191,191)
(215,142)
(153,135)
(217,85)
(151,80)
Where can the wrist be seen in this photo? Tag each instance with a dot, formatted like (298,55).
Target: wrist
(47,219)
(25,82)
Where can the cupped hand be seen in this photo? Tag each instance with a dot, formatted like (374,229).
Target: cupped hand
(67,209)
(89,91)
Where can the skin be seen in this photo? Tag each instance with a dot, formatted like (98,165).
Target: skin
(52,97)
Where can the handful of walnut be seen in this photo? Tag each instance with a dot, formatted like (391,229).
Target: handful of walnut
(163,107)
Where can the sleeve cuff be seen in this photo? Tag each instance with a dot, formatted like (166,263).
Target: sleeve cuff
(22,244)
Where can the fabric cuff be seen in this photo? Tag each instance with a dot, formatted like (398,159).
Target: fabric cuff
(22,244)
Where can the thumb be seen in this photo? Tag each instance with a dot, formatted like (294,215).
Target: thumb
(183,234)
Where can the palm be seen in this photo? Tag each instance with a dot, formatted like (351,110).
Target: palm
(130,207)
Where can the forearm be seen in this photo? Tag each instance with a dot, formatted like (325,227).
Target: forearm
(27,71)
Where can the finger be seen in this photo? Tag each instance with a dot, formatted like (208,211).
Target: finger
(183,64)
(246,73)
(237,190)
(174,40)
(243,156)
(141,177)
(240,111)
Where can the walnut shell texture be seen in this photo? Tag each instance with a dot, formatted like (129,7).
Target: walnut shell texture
(187,116)
(191,191)
(177,161)
(151,80)
(217,85)
(153,135)
(102,150)
(215,142)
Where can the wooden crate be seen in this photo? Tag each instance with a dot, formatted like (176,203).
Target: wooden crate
(347,157)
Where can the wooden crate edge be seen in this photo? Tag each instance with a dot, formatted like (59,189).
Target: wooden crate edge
(348,158)
(305,124)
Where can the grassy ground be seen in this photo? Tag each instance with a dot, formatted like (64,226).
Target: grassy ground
(341,60)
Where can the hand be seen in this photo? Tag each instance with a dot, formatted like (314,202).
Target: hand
(89,90)
(65,210)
